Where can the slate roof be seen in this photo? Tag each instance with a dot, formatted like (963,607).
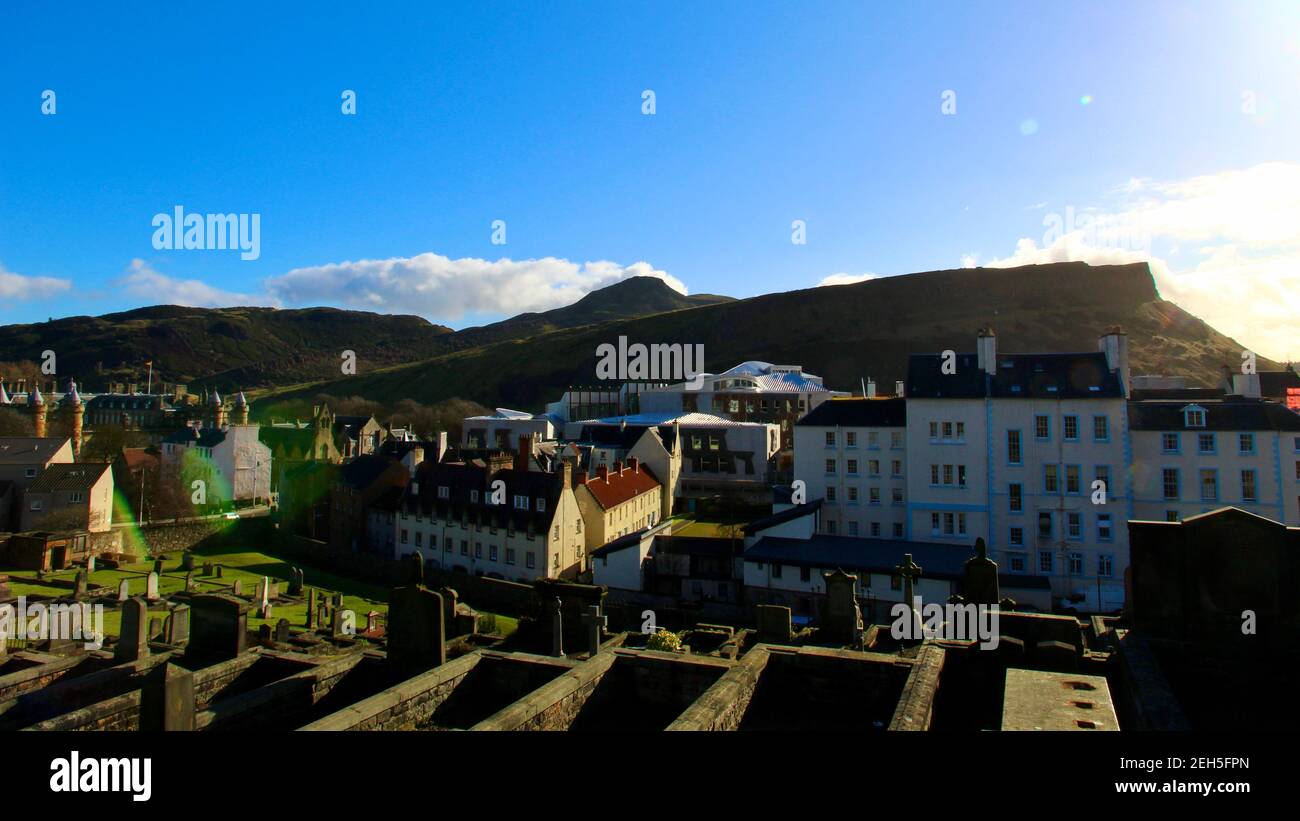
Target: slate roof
(780,518)
(68,476)
(1018,376)
(857,413)
(1235,414)
(25,450)
(204,438)
(364,471)
(621,543)
(1276,383)
(461,479)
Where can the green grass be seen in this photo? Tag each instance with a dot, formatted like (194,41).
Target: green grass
(249,566)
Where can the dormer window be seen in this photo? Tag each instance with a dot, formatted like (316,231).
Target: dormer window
(443,492)
(1194,416)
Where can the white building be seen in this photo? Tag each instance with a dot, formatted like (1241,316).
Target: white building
(231,461)
(1030,452)
(1193,456)
(852,453)
(503,429)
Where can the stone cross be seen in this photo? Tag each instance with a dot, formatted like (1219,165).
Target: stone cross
(151,588)
(909,571)
(557,629)
(595,623)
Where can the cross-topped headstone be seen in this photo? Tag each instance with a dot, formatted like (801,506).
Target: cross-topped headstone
(596,622)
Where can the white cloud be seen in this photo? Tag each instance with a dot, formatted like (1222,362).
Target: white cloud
(144,282)
(441,288)
(18,287)
(846,279)
(1235,235)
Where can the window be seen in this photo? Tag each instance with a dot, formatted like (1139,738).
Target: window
(961,430)
(473,496)
(446,546)
(1017,562)
(1101,473)
(492,552)
(830,528)
(897,496)
(1015,497)
(830,467)
(853,531)
(1044,561)
(1205,443)
(934,524)
(1013,447)
(934,430)
(464,547)
(1171,515)
(851,439)
(1076,563)
(30,473)
(521,502)
(805,574)
(874,495)
(898,530)
(947,474)
(949,524)
(853,494)
(1044,524)
(1194,417)
(1169,443)
(1169,481)
(896,439)
(541,505)
(1017,536)
(1101,428)
(1209,484)
(1105,533)
(1071,428)
(830,439)
(1071,478)
(875,530)
(1248,486)
(76,496)
(947,430)
(853,467)
(873,440)
(896,467)
(961,476)
(530,559)
(1105,565)
(1074,525)
(1042,427)
(1051,483)
(419,539)
(443,492)
(405,536)
(1246,443)
(873,467)
(776,568)
(934,474)
(830,494)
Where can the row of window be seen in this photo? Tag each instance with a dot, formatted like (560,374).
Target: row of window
(521,501)
(873,529)
(947,431)
(873,467)
(1206,443)
(1017,561)
(1171,484)
(873,439)
(873,495)
(951,476)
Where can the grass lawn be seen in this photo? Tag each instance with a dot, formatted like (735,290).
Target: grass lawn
(247,565)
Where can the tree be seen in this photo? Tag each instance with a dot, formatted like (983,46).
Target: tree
(16,423)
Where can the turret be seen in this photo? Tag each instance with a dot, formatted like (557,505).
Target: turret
(37,404)
(78,414)
(241,409)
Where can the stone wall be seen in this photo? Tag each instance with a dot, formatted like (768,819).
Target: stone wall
(406,705)
(723,705)
(556,705)
(118,713)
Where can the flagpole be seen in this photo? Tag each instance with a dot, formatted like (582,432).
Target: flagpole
(149,388)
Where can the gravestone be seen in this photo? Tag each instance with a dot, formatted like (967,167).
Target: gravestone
(218,627)
(337,624)
(416,632)
(123,590)
(4,586)
(264,612)
(372,622)
(909,571)
(167,699)
(237,587)
(336,602)
(557,628)
(311,608)
(207,569)
(980,583)
(220,570)
(133,641)
(90,565)
(79,586)
(187,561)
(842,621)
(282,631)
(178,625)
(416,560)
(595,623)
(262,596)
(151,587)
(773,624)
(158,565)
(295,582)
(264,633)
(155,629)
(322,615)
(189,582)
(450,598)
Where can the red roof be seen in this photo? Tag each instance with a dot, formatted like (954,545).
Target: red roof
(617,487)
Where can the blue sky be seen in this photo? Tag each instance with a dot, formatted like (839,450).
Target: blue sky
(765,113)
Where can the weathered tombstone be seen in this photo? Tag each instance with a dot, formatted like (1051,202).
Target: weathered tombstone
(295,582)
(980,585)
(218,627)
(189,582)
(123,590)
(167,699)
(372,622)
(237,587)
(416,560)
(557,628)
(282,631)
(220,570)
(263,595)
(311,608)
(187,561)
(158,565)
(338,623)
(322,613)
(264,612)
(842,621)
(133,641)
(450,598)
(207,569)
(773,624)
(79,586)
(178,625)
(909,571)
(595,624)
(155,629)
(90,565)
(151,587)
(336,601)
(416,634)
(264,633)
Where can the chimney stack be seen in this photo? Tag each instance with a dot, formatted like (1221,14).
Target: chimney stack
(1114,343)
(635,464)
(871,388)
(986,350)
(898,388)
(442,445)
(1246,385)
(602,473)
